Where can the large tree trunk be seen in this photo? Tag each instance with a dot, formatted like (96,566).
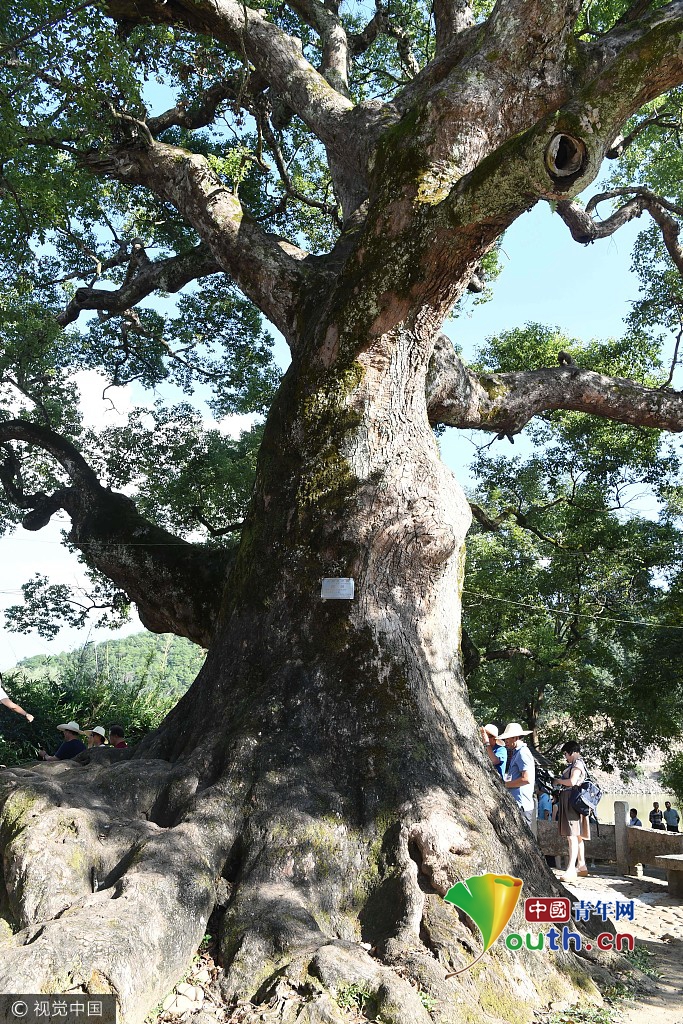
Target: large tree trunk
(323,775)
(322,782)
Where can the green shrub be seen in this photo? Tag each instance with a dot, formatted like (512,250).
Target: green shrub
(77,692)
(672,775)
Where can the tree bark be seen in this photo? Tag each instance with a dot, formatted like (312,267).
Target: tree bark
(324,766)
(322,783)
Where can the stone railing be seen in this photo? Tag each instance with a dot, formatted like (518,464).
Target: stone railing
(622,844)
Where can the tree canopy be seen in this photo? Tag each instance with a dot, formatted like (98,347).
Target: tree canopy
(178,180)
(86,248)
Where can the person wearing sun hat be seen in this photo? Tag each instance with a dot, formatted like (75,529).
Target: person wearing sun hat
(495,750)
(70,746)
(96,736)
(520,777)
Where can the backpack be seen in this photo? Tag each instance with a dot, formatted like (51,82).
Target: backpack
(585,797)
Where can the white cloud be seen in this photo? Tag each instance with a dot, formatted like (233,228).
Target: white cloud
(109,411)
(25,554)
(232,426)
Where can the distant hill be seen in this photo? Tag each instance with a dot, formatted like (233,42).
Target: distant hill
(165,659)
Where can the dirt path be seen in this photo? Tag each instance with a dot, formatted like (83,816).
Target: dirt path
(658,926)
(665,1004)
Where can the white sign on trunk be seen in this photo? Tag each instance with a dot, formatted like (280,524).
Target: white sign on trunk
(340,589)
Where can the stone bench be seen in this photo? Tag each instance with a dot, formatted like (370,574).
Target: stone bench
(673,865)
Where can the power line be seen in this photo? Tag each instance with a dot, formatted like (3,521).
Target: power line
(570,615)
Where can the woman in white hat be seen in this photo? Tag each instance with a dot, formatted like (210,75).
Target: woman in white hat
(70,747)
(96,736)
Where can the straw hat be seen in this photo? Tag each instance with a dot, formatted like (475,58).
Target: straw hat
(513,729)
(491,729)
(98,729)
(69,727)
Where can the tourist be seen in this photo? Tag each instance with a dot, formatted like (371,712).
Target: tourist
(671,817)
(574,826)
(520,776)
(634,821)
(117,737)
(9,703)
(497,754)
(70,746)
(96,737)
(545,805)
(656,817)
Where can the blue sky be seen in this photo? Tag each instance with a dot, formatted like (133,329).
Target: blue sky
(547,278)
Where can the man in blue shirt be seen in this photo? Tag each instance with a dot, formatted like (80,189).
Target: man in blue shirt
(71,745)
(520,777)
(634,821)
(495,750)
(671,817)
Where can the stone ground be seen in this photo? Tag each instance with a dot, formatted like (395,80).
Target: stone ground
(658,927)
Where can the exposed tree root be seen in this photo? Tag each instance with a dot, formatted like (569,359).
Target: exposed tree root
(112,871)
(106,902)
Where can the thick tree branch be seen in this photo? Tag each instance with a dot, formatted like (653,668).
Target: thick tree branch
(361,41)
(583,104)
(176,586)
(169,275)
(451,17)
(203,110)
(585,227)
(466,165)
(469,159)
(521,25)
(438,69)
(633,64)
(270,271)
(335,57)
(276,55)
(505,402)
(348,133)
